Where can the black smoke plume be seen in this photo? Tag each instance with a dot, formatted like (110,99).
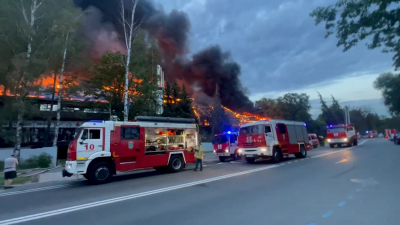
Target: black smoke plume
(206,69)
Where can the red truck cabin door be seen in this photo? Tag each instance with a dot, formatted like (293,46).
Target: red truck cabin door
(131,149)
(283,137)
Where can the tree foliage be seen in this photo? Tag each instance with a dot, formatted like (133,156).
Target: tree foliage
(177,102)
(389,85)
(219,120)
(357,20)
(291,106)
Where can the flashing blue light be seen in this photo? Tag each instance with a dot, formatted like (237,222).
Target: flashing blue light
(330,125)
(95,121)
(305,125)
(366,132)
(229,132)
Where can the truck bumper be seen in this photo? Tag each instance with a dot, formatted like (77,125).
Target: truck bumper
(339,141)
(261,152)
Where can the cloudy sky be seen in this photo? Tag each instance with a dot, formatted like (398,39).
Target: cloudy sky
(281,50)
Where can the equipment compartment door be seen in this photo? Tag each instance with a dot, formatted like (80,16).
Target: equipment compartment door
(282,136)
(131,149)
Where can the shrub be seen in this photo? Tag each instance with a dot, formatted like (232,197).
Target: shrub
(1,165)
(41,161)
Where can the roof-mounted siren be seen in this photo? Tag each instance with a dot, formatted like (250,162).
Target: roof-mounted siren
(157,119)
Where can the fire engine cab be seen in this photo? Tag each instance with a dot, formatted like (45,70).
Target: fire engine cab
(103,148)
(225,146)
(273,139)
(341,134)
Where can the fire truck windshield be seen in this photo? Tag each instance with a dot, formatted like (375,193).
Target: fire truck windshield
(221,139)
(336,129)
(77,133)
(256,129)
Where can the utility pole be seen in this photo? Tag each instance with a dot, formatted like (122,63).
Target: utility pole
(160,91)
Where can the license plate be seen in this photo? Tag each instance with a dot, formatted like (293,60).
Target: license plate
(249,156)
(220,154)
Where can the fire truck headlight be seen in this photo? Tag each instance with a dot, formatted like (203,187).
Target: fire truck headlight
(329,140)
(68,166)
(214,151)
(263,149)
(344,139)
(240,151)
(227,149)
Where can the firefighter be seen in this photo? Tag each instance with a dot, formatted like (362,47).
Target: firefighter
(199,155)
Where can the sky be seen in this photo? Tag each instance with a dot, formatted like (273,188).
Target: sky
(280,50)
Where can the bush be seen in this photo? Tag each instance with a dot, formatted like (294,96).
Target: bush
(1,165)
(41,161)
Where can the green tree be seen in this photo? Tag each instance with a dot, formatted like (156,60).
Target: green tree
(25,28)
(357,20)
(389,85)
(295,107)
(269,107)
(219,120)
(185,104)
(168,105)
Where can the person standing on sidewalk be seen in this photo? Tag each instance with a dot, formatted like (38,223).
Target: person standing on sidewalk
(199,155)
(10,170)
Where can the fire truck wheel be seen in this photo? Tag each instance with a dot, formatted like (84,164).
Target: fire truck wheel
(302,153)
(277,155)
(331,145)
(315,146)
(222,158)
(355,142)
(100,173)
(176,163)
(85,176)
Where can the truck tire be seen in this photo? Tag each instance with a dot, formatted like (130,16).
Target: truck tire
(302,153)
(85,176)
(350,144)
(222,158)
(250,160)
(100,173)
(315,146)
(276,155)
(331,145)
(355,142)
(176,163)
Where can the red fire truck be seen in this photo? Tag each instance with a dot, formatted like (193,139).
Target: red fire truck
(103,148)
(225,146)
(341,134)
(273,139)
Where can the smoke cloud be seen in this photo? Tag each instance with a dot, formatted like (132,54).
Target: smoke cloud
(206,69)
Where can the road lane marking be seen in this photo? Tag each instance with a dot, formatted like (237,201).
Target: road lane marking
(350,197)
(296,161)
(35,190)
(128,197)
(342,204)
(358,190)
(327,214)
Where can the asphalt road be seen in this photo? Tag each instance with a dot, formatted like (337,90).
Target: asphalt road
(358,185)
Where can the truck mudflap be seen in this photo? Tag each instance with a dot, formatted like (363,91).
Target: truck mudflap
(66,174)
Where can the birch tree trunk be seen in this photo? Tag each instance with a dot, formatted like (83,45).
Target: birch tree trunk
(21,110)
(59,94)
(128,31)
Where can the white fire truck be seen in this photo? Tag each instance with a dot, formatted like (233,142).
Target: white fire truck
(273,139)
(103,148)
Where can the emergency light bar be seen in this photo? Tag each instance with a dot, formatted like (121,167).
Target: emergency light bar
(164,119)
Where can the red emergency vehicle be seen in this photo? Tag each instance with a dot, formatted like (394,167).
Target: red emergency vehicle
(225,146)
(313,140)
(103,148)
(273,139)
(341,135)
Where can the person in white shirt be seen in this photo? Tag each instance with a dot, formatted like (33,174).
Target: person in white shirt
(10,170)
